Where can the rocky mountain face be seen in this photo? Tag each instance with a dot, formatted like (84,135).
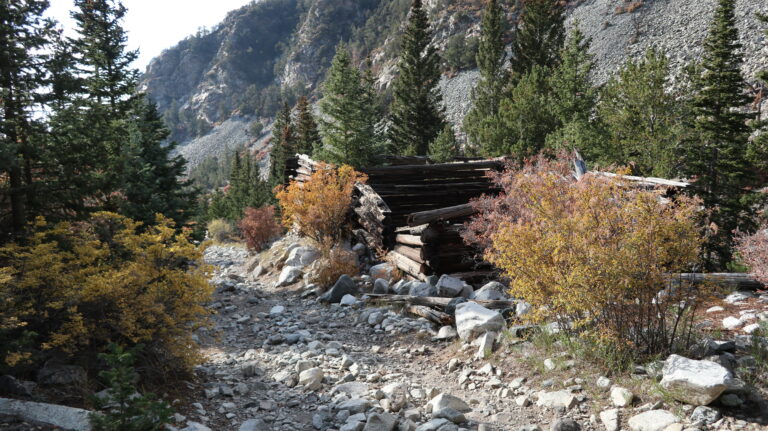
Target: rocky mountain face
(213,86)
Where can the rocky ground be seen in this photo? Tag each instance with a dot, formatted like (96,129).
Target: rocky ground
(282,354)
(277,359)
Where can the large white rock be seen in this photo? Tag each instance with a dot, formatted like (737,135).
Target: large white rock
(473,319)
(610,419)
(289,275)
(694,382)
(302,256)
(444,400)
(621,397)
(492,291)
(312,378)
(60,416)
(450,287)
(653,420)
(557,399)
(380,422)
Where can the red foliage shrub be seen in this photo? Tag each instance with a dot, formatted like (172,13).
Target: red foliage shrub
(753,250)
(258,226)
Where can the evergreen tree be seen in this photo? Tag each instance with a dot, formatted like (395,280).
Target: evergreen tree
(573,96)
(445,147)
(152,182)
(482,123)
(642,118)
(526,115)
(282,145)
(417,115)
(538,37)
(307,133)
(24,36)
(350,113)
(716,155)
(758,151)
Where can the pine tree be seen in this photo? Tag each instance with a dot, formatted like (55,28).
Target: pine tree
(417,112)
(642,118)
(538,37)
(573,96)
(482,123)
(716,156)
(282,145)
(153,177)
(527,116)
(24,36)
(445,147)
(758,150)
(307,133)
(350,113)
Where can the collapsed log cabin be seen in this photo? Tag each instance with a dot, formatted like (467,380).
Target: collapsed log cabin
(413,211)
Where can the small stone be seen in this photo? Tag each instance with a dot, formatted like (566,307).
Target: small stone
(523,401)
(446,333)
(312,378)
(705,415)
(731,322)
(276,310)
(444,400)
(549,364)
(565,424)
(452,415)
(603,382)
(610,419)
(731,400)
(348,300)
(653,420)
(380,422)
(558,399)
(621,397)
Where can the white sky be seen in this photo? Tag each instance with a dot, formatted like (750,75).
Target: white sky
(154,25)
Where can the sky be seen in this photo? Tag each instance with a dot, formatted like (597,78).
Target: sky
(154,25)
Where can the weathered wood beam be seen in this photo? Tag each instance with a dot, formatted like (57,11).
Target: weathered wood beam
(441,214)
(430,314)
(432,301)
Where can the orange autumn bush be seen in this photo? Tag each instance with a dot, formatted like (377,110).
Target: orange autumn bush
(319,207)
(258,226)
(71,289)
(594,254)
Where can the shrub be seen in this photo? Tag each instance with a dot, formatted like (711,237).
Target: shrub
(220,230)
(593,254)
(318,207)
(258,226)
(76,288)
(127,411)
(334,262)
(753,250)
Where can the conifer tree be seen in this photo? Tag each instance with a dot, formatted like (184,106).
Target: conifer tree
(417,112)
(350,113)
(716,156)
(307,133)
(24,35)
(573,96)
(527,116)
(282,145)
(445,147)
(538,37)
(759,148)
(482,123)
(643,119)
(152,182)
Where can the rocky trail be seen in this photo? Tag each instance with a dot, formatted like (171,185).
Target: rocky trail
(276,359)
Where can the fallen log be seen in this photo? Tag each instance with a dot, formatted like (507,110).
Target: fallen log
(441,214)
(431,314)
(432,301)
(737,281)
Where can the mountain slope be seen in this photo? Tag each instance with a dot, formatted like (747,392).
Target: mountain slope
(212,86)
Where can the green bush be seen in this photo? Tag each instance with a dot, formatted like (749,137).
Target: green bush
(220,230)
(125,409)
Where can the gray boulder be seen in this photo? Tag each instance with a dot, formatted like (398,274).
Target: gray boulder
(492,291)
(61,375)
(445,400)
(380,422)
(68,418)
(422,289)
(380,286)
(473,319)
(289,275)
(344,286)
(694,382)
(300,257)
(451,307)
(653,420)
(254,425)
(450,287)
(382,270)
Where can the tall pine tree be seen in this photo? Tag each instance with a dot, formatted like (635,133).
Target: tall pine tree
(307,133)
(152,182)
(538,36)
(482,123)
(282,145)
(716,156)
(642,117)
(350,113)
(24,36)
(417,112)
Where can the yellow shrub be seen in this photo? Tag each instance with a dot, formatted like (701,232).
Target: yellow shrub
(593,254)
(319,206)
(78,287)
(220,230)
(333,263)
